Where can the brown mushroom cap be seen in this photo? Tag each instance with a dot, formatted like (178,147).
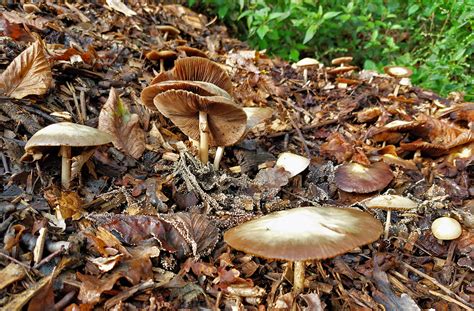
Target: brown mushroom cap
(307,63)
(190,51)
(168,28)
(397,71)
(68,134)
(390,202)
(338,70)
(194,69)
(305,233)
(342,60)
(226,120)
(157,55)
(354,177)
(197,87)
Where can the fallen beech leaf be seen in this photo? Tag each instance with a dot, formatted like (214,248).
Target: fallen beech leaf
(28,74)
(116,119)
(119,6)
(11,273)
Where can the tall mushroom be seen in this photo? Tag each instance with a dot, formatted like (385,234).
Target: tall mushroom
(389,203)
(201,77)
(304,233)
(213,120)
(64,135)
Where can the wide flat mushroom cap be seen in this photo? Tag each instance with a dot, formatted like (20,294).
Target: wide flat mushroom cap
(305,233)
(68,134)
(307,62)
(390,202)
(342,60)
(397,71)
(196,87)
(226,120)
(354,177)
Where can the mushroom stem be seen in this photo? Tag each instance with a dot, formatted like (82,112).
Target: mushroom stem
(218,158)
(65,153)
(162,65)
(305,75)
(203,137)
(395,92)
(298,276)
(387,224)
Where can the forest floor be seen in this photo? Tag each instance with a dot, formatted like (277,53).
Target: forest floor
(142,224)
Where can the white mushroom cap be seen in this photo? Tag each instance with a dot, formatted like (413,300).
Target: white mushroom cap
(446,228)
(292,163)
(390,202)
(68,134)
(398,71)
(305,233)
(307,63)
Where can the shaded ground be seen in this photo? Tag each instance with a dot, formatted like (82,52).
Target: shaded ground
(141,227)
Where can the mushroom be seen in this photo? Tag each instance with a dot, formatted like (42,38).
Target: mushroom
(255,115)
(167,29)
(292,163)
(213,120)
(343,65)
(400,73)
(161,56)
(304,233)
(390,203)
(204,78)
(65,135)
(358,178)
(190,51)
(305,64)
(446,228)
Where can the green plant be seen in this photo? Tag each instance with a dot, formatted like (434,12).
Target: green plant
(433,37)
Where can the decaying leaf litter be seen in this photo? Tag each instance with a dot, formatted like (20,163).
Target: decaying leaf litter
(141,224)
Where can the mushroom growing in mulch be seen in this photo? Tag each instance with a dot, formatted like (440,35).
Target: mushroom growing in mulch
(205,116)
(304,233)
(64,135)
(389,203)
(358,178)
(401,74)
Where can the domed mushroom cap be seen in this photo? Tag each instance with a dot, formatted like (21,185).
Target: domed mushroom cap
(196,87)
(226,120)
(307,63)
(390,202)
(157,55)
(397,71)
(446,228)
(354,177)
(68,134)
(305,233)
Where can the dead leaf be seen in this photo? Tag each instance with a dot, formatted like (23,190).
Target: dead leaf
(115,118)
(10,274)
(119,6)
(28,74)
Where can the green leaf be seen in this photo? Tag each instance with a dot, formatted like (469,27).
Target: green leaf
(262,31)
(369,65)
(310,33)
(329,15)
(412,9)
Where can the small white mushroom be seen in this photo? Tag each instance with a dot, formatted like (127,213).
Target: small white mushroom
(446,228)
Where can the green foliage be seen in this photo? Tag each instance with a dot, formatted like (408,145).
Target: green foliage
(433,37)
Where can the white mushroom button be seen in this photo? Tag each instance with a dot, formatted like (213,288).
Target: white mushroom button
(446,228)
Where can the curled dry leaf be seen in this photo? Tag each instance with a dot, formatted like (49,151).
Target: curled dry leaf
(119,6)
(116,119)
(28,74)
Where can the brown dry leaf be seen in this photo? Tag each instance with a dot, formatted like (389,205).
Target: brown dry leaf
(11,273)
(29,20)
(115,118)
(43,299)
(119,6)
(28,74)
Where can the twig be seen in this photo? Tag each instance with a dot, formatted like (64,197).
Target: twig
(15,261)
(6,168)
(298,131)
(42,114)
(48,258)
(464,304)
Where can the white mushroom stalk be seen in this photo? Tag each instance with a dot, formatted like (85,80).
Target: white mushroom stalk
(65,153)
